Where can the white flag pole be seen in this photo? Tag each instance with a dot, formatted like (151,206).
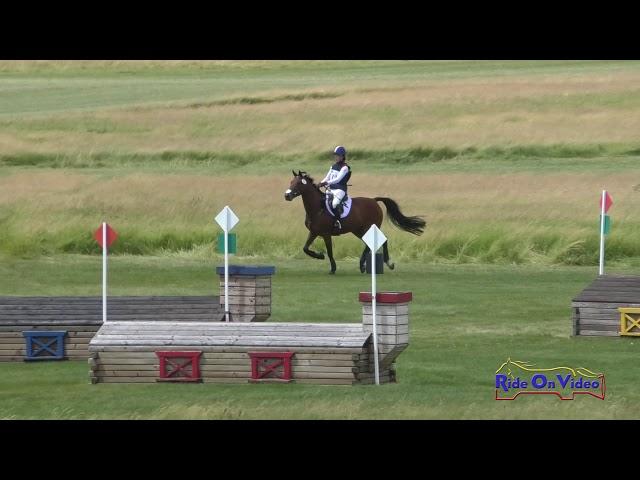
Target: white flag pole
(601,271)
(226,268)
(374,239)
(373,310)
(227,220)
(104,272)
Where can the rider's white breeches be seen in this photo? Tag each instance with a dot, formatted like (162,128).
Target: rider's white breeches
(338,195)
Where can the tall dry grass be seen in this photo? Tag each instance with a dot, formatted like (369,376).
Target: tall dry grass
(509,218)
(281,114)
(165,146)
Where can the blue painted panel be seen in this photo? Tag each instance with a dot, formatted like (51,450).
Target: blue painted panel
(247,270)
(39,342)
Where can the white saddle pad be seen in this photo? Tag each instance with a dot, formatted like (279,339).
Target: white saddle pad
(345,210)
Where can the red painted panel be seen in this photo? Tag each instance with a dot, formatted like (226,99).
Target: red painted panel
(179,361)
(260,369)
(387,297)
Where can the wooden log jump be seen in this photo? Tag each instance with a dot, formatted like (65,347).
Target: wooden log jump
(81,317)
(319,353)
(595,310)
(60,328)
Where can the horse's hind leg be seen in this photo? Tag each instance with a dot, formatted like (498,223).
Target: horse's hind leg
(329,245)
(310,252)
(385,253)
(363,259)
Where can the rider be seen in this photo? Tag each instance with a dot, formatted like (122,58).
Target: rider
(337,178)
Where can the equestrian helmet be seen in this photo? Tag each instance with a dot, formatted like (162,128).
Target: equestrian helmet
(340,150)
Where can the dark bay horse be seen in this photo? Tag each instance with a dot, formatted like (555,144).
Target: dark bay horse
(364,213)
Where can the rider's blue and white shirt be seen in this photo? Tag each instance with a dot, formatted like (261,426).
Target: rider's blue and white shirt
(338,176)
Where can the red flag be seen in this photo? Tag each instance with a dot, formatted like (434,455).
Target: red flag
(111,235)
(608,201)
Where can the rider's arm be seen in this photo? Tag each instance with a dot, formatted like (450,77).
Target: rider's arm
(343,171)
(326,178)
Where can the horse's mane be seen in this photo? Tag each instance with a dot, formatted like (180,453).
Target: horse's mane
(307,176)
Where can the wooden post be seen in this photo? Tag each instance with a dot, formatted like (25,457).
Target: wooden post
(249,292)
(391,323)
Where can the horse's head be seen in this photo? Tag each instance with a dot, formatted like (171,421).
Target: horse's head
(508,368)
(300,183)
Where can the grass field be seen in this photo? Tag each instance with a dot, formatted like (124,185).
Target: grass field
(505,160)
(465,321)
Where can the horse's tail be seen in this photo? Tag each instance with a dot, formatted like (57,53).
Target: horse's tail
(413,225)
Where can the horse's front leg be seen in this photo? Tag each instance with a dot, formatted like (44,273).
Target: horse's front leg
(308,251)
(329,245)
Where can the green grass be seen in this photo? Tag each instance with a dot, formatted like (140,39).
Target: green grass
(465,321)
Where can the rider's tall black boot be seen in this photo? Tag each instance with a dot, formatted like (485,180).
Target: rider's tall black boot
(338,212)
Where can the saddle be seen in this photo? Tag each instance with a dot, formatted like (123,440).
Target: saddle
(346,205)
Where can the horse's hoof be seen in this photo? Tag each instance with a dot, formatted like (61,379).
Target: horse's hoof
(362,269)
(332,272)
(391,266)
(321,256)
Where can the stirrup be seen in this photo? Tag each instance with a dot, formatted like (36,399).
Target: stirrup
(337,224)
